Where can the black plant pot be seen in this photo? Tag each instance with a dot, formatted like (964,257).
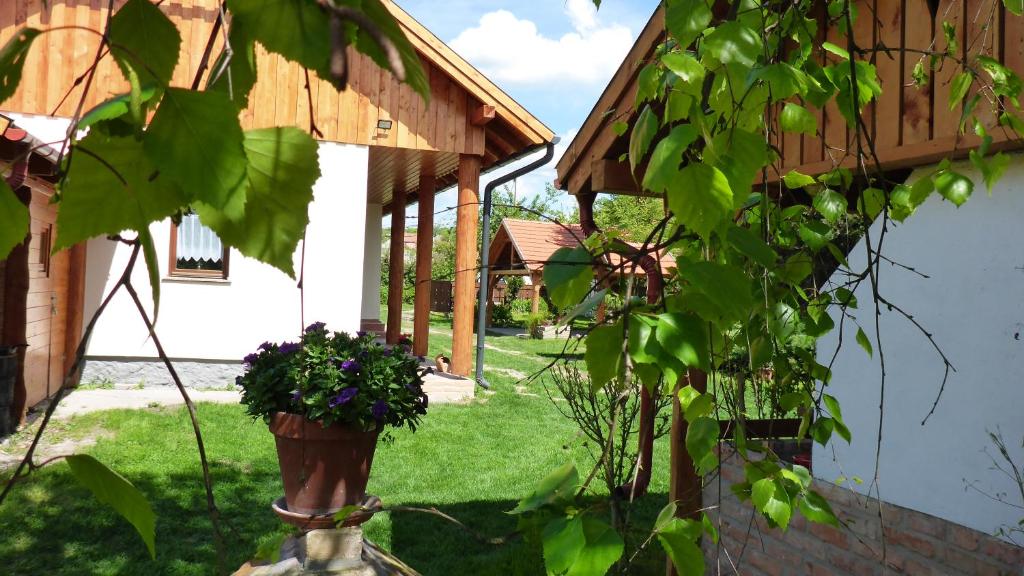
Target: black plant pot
(8,376)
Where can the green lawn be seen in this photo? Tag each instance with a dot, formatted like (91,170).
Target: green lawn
(473,462)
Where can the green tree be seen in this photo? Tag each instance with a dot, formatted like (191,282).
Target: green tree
(632,217)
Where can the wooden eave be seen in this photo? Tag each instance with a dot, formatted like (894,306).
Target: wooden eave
(910,127)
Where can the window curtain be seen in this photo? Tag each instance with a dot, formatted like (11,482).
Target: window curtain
(197,242)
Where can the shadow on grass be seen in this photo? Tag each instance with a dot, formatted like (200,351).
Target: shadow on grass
(565,356)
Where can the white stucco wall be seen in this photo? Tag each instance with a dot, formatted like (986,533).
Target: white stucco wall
(372,256)
(227,320)
(973,302)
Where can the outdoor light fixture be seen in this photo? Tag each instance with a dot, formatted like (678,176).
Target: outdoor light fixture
(384,125)
(5,123)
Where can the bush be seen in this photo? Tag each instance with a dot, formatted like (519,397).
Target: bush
(535,324)
(502,315)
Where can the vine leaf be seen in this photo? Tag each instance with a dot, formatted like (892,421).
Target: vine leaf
(415,76)
(958,88)
(687,19)
(15,217)
(688,69)
(295,29)
(145,40)
(664,163)
(603,547)
(115,107)
(817,509)
(773,501)
(238,77)
(643,134)
(830,204)
(732,43)
(116,491)
(283,166)
(557,485)
(195,138)
(12,61)
(568,276)
(797,119)
(684,337)
(1015,7)
(865,342)
(604,354)
(725,288)
(794,180)
(748,243)
(679,539)
(592,301)
(563,540)
(701,439)
(954,186)
(701,198)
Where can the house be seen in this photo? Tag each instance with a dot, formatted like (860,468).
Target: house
(382,149)
(938,498)
(522,247)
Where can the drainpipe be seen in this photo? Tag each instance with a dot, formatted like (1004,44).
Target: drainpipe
(481,314)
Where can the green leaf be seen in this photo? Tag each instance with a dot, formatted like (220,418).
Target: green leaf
(865,342)
(643,134)
(991,168)
(784,80)
(958,88)
(568,276)
(114,490)
(797,119)
(700,406)
(830,204)
(604,354)
(794,180)
(952,44)
(557,485)
(871,202)
(740,155)
(687,19)
(620,128)
(115,107)
(685,338)
(667,514)
(732,43)
(12,61)
(238,77)
(110,187)
(663,166)
(815,234)
(750,244)
(816,509)
(700,197)
(771,498)
(701,439)
(920,74)
(283,166)
(648,84)
(603,548)
(143,39)
(783,321)
(1015,7)
(954,186)
(679,542)
(726,287)
(563,540)
(295,29)
(689,70)
(15,217)
(830,47)
(196,139)
(591,302)
(341,515)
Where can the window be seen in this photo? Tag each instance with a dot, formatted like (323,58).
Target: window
(196,250)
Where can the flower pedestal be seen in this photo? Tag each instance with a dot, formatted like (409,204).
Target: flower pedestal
(336,552)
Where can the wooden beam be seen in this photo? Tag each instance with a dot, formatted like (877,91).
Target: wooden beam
(424,259)
(396,269)
(466,224)
(614,177)
(538,281)
(482,115)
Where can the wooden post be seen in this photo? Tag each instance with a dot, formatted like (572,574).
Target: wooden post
(684,486)
(75,307)
(396,269)
(466,224)
(424,259)
(538,280)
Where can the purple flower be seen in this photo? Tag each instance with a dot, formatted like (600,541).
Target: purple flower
(350,366)
(297,396)
(414,388)
(361,334)
(289,348)
(251,358)
(379,409)
(316,327)
(266,346)
(363,354)
(343,397)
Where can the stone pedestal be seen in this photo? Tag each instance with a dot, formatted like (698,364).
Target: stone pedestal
(336,552)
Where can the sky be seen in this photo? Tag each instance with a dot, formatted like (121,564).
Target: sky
(553,56)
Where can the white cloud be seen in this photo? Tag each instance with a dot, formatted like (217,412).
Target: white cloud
(513,51)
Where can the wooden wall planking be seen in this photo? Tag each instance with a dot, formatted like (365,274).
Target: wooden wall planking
(278,99)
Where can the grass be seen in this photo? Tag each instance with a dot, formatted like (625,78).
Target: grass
(473,462)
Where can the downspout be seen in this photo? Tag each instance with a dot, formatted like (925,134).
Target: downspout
(485,248)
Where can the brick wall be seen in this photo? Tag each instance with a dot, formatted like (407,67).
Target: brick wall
(916,543)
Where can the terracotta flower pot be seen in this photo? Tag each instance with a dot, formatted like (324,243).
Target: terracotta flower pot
(323,469)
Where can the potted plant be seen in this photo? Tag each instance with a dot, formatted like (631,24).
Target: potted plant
(327,399)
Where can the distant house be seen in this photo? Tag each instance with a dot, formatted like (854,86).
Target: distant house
(382,149)
(937,488)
